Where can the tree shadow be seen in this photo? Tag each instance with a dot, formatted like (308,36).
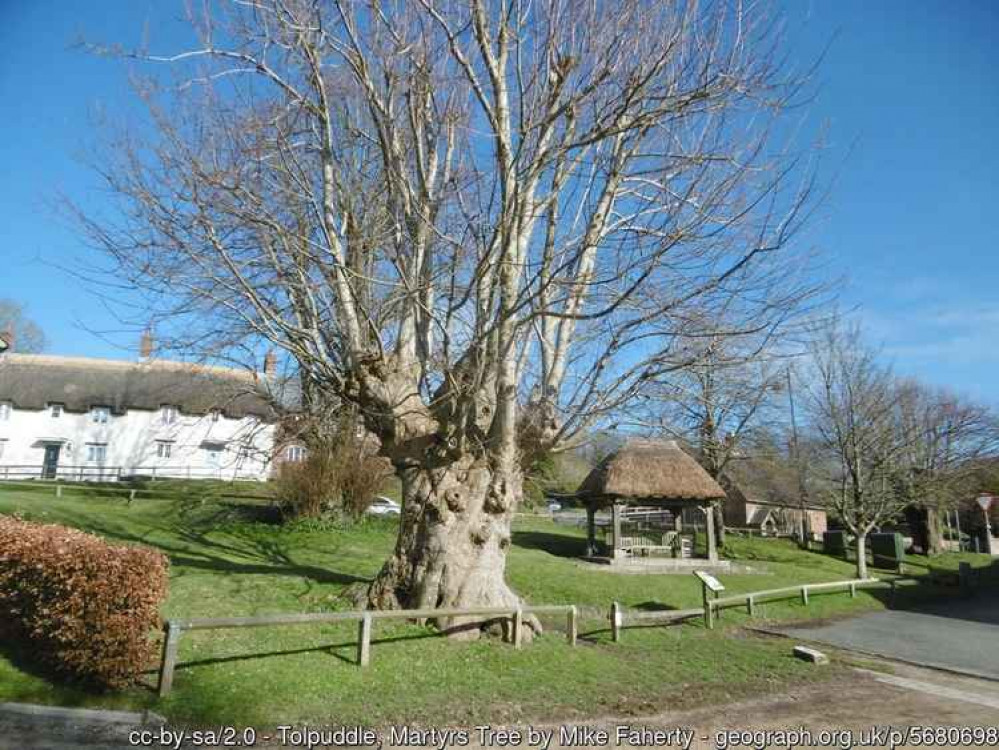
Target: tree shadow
(651,606)
(560,545)
(238,549)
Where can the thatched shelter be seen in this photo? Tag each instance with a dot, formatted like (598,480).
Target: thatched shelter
(672,490)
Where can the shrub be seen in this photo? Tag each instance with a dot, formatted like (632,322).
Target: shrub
(336,479)
(84,607)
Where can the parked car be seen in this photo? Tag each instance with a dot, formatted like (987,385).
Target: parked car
(384,506)
(554,506)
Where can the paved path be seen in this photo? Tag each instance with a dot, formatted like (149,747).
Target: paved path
(960,635)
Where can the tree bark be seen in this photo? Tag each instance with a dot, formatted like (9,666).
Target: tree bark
(934,532)
(862,555)
(718,508)
(926,527)
(453,541)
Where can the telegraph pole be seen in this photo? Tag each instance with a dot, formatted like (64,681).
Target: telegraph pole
(799,469)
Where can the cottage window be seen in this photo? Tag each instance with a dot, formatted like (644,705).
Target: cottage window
(55,410)
(4,411)
(164,448)
(294,454)
(214,454)
(100,414)
(97,452)
(168,414)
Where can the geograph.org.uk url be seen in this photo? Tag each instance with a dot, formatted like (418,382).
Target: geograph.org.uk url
(845,739)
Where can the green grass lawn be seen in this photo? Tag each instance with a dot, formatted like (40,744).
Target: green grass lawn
(227,561)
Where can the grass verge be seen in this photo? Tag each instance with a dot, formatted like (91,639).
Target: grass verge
(227,560)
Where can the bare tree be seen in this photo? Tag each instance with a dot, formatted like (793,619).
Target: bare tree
(945,438)
(443,210)
(852,405)
(27,336)
(716,403)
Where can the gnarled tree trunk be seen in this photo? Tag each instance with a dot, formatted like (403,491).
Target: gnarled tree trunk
(452,545)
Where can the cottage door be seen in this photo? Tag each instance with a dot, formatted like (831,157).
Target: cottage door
(51,464)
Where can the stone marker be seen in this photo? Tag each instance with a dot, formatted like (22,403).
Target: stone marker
(810,654)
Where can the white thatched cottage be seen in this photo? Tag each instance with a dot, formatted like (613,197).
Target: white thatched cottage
(95,419)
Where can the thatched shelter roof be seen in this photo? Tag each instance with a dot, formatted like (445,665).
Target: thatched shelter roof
(650,470)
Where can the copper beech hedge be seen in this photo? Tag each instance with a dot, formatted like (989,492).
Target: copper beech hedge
(80,606)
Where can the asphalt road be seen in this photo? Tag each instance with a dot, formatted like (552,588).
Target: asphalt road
(960,635)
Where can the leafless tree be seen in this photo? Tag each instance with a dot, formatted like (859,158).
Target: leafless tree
(25,334)
(945,437)
(441,211)
(717,402)
(852,404)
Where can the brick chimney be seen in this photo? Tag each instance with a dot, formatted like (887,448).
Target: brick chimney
(146,345)
(270,365)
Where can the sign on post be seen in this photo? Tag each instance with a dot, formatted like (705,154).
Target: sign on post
(712,584)
(986,502)
(709,581)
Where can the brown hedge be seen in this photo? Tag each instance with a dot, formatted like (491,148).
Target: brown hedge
(84,608)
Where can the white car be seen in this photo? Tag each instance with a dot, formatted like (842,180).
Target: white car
(384,506)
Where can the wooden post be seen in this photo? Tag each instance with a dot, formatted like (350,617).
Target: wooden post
(364,640)
(615,619)
(964,577)
(58,490)
(853,591)
(709,527)
(804,595)
(709,613)
(750,605)
(518,628)
(169,661)
(616,531)
(572,628)
(591,530)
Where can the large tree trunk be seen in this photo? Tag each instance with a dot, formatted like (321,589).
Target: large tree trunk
(453,540)
(927,531)
(718,508)
(934,532)
(862,555)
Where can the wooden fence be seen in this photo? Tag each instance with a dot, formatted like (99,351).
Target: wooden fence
(131,493)
(174,629)
(91,473)
(621,618)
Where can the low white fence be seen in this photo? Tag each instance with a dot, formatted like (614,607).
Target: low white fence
(90,473)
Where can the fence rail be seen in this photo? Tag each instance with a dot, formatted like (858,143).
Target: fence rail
(174,629)
(621,618)
(88,473)
(58,488)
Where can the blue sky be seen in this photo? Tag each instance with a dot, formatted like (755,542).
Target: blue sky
(908,90)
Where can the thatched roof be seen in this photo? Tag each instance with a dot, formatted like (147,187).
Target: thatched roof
(650,470)
(33,381)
